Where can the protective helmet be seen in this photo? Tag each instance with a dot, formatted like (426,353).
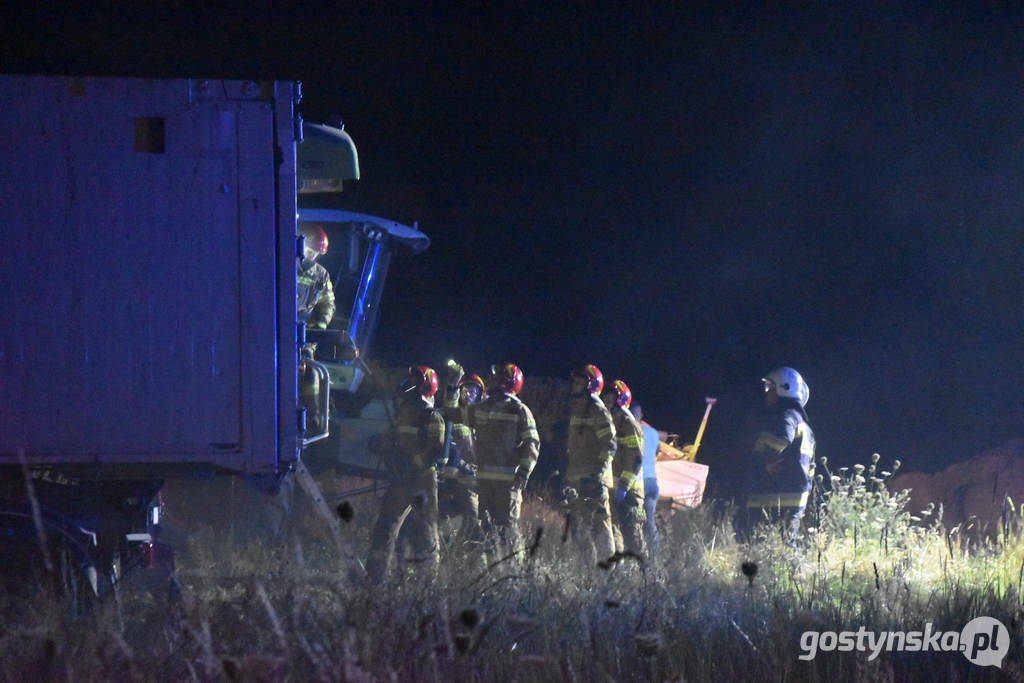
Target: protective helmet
(623,397)
(475,381)
(316,238)
(507,377)
(420,379)
(595,380)
(787,383)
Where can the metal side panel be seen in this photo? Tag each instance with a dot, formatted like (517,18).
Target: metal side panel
(139,239)
(266,195)
(289,438)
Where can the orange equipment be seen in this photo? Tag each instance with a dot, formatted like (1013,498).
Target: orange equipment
(680,478)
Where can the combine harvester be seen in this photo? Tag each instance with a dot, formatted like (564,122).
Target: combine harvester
(151,342)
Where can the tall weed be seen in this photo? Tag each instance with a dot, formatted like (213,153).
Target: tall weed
(708,607)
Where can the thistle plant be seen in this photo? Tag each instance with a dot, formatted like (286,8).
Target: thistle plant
(856,504)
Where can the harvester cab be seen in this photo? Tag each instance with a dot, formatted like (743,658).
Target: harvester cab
(361,248)
(360,254)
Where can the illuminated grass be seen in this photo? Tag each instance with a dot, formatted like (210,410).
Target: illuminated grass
(709,608)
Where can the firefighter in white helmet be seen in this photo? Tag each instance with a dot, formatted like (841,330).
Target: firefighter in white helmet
(782,465)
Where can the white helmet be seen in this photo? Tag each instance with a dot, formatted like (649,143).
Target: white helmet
(788,384)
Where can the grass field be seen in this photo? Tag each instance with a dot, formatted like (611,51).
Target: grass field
(709,607)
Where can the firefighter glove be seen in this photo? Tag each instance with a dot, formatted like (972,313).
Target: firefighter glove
(453,373)
(620,495)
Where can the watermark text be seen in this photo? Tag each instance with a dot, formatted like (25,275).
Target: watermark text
(983,641)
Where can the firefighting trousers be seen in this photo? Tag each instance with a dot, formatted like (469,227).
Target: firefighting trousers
(592,520)
(500,509)
(457,498)
(629,525)
(414,492)
(783,509)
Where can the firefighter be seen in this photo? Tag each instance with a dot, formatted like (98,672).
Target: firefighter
(590,446)
(413,456)
(313,288)
(315,307)
(782,461)
(457,486)
(506,447)
(627,470)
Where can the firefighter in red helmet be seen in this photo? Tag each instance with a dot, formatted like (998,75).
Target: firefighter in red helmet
(590,446)
(457,485)
(315,293)
(627,465)
(506,445)
(413,458)
(314,306)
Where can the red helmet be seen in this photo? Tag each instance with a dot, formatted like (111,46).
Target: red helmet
(591,373)
(316,238)
(623,396)
(475,381)
(508,378)
(420,379)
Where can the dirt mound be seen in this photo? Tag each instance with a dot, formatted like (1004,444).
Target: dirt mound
(973,488)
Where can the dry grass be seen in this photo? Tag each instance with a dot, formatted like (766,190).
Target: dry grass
(296,611)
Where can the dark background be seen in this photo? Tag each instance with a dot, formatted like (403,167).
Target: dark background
(686,199)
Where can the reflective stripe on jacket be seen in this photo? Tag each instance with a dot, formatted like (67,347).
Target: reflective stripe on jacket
(628,462)
(768,501)
(418,431)
(505,435)
(314,296)
(788,437)
(590,442)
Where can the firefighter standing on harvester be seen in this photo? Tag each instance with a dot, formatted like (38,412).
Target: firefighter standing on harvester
(413,456)
(627,468)
(590,447)
(315,293)
(314,306)
(506,444)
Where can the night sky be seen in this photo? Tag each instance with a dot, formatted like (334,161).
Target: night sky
(686,199)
